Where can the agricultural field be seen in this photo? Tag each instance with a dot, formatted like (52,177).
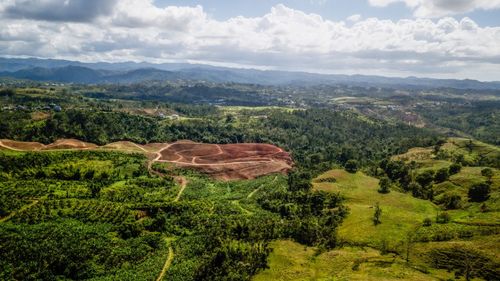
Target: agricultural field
(133,222)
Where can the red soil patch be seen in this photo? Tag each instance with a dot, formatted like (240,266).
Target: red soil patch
(228,161)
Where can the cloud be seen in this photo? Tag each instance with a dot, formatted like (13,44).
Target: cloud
(354,18)
(439,8)
(284,38)
(57,10)
(143,13)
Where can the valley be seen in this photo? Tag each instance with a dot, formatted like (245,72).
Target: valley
(185,181)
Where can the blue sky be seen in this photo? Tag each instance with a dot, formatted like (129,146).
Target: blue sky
(423,38)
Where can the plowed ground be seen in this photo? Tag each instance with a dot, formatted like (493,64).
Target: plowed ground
(228,161)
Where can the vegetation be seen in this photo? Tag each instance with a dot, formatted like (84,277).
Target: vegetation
(369,198)
(377,214)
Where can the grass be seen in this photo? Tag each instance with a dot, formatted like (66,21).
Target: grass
(292,261)
(401,213)
(473,152)
(469,176)
(416,154)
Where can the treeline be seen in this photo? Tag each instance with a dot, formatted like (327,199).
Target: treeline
(480,119)
(191,93)
(318,138)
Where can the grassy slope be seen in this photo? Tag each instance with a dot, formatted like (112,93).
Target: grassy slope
(462,181)
(472,150)
(292,261)
(401,213)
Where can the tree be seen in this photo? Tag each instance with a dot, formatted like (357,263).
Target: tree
(299,180)
(377,214)
(441,175)
(452,201)
(351,166)
(454,168)
(384,185)
(488,173)
(479,192)
(443,217)
(418,191)
(425,178)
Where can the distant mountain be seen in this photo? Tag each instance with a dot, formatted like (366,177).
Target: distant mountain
(131,72)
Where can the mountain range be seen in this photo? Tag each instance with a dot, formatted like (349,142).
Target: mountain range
(131,72)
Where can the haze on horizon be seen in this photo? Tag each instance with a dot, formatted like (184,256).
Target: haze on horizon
(425,38)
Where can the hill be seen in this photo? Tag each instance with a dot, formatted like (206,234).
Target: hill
(402,246)
(402,213)
(130,72)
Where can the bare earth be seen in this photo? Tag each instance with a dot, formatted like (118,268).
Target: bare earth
(225,161)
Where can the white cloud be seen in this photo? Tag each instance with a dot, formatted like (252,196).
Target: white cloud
(439,8)
(284,39)
(354,18)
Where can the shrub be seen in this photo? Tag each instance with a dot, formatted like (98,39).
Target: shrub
(299,180)
(427,222)
(479,192)
(441,175)
(452,201)
(487,172)
(351,166)
(483,208)
(425,178)
(418,191)
(443,217)
(384,185)
(454,168)
(377,214)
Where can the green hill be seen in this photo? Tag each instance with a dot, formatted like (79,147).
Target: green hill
(401,213)
(402,246)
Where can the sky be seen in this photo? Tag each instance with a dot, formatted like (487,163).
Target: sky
(424,38)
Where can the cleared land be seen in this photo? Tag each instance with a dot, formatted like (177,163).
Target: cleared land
(228,161)
(225,162)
